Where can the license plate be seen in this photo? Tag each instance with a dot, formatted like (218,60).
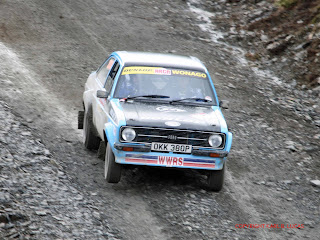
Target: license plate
(171,147)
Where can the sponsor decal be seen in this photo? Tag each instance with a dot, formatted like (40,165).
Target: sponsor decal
(168,161)
(114,131)
(197,162)
(172,124)
(185,120)
(208,98)
(144,159)
(200,116)
(113,115)
(269,226)
(162,71)
(189,73)
(169,109)
(146,70)
(110,63)
(172,137)
(102,101)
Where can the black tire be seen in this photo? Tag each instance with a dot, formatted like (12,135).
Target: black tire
(112,170)
(102,150)
(216,179)
(80,119)
(90,139)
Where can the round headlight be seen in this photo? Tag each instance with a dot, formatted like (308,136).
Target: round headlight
(128,134)
(215,141)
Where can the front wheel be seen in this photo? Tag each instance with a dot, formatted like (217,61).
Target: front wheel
(112,170)
(216,179)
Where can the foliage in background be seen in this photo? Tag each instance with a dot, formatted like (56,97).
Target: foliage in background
(316,18)
(286,3)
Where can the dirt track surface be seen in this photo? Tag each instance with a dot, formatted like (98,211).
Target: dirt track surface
(47,50)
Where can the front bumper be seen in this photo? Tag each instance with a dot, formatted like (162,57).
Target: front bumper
(140,154)
(146,148)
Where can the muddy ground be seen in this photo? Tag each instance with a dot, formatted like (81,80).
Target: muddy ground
(53,188)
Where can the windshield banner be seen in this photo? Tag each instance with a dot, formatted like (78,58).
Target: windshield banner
(161,71)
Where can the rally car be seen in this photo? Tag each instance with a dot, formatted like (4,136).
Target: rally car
(157,110)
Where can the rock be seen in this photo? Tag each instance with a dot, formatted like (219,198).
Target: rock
(189,228)
(289,38)
(16,217)
(309,224)
(271,184)
(41,213)
(264,38)
(26,133)
(186,223)
(4,197)
(315,183)
(47,153)
(317,122)
(230,85)
(317,136)
(287,181)
(277,47)
(299,56)
(96,215)
(291,147)
(294,147)
(4,218)
(192,196)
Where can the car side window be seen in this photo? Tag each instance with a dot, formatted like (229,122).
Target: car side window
(104,70)
(112,75)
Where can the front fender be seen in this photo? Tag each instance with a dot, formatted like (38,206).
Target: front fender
(112,134)
(229,141)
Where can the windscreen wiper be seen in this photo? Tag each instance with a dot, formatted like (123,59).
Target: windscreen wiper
(191,99)
(146,96)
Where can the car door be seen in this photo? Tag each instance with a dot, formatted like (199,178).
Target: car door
(100,80)
(103,103)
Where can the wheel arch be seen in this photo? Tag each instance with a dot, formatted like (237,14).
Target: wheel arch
(110,133)
(105,138)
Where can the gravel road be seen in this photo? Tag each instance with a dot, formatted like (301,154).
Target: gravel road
(53,188)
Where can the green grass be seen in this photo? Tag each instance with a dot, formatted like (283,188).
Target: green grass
(286,3)
(316,18)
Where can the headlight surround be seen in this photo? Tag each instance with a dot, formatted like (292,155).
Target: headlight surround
(215,140)
(128,134)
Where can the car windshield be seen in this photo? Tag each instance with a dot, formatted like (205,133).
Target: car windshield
(175,84)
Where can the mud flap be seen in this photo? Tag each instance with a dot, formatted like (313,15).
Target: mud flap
(102,150)
(80,119)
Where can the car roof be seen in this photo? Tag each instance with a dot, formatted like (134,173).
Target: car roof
(160,60)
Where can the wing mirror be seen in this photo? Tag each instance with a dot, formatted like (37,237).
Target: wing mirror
(102,94)
(224,104)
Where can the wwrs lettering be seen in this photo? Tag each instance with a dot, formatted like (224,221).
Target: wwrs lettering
(170,161)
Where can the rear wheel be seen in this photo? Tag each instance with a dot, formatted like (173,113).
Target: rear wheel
(216,179)
(112,170)
(80,119)
(90,139)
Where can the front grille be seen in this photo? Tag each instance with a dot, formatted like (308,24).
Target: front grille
(197,139)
